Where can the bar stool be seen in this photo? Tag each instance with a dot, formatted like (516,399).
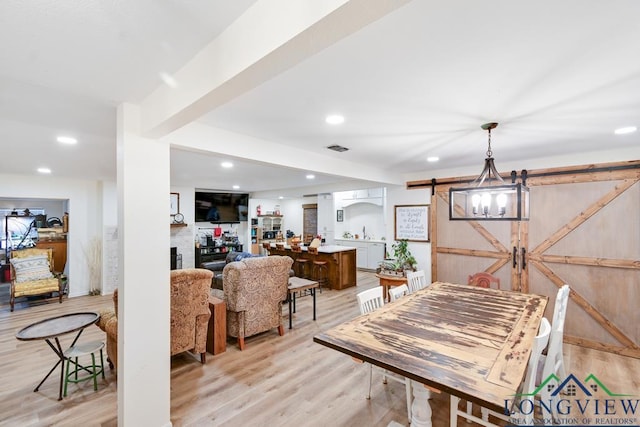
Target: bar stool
(320,269)
(267,247)
(300,263)
(92,370)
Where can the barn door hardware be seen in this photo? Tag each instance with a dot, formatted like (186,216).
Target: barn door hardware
(524,258)
(514,257)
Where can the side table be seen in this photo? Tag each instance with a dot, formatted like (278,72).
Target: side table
(388,281)
(297,284)
(51,329)
(217,332)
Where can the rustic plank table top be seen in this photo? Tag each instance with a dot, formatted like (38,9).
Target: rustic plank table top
(471,342)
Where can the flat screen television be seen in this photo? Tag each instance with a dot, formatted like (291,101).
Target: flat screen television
(219,208)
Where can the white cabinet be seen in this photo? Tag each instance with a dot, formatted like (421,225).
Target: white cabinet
(270,222)
(375,254)
(368,253)
(361,255)
(370,195)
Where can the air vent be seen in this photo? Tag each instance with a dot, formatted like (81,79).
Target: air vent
(338,148)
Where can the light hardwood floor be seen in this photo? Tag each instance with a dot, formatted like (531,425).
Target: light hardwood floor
(276,381)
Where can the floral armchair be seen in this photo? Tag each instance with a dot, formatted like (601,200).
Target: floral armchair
(32,274)
(254,289)
(189,315)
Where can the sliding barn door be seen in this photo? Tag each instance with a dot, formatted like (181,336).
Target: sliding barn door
(587,234)
(584,230)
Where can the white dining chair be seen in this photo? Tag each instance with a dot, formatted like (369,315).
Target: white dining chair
(553,361)
(528,387)
(416,280)
(368,301)
(397,292)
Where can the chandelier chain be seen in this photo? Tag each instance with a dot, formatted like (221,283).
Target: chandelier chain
(489,152)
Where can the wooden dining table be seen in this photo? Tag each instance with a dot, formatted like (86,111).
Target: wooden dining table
(470,342)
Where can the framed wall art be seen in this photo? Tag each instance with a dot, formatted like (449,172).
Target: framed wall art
(411,223)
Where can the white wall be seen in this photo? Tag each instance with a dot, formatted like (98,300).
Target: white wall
(109,237)
(366,215)
(85,206)
(401,196)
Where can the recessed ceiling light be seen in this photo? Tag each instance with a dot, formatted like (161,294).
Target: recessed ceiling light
(625,130)
(432,159)
(44,170)
(226,165)
(236,187)
(168,80)
(334,119)
(280,197)
(311,176)
(67,140)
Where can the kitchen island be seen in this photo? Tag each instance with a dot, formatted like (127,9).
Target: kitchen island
(341,262)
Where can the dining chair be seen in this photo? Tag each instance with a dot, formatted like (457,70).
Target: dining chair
(528,387)
(553,361)
(368,301)
(483,280)
(416,280)
(397,292)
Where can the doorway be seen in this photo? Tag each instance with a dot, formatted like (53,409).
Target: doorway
(309,222)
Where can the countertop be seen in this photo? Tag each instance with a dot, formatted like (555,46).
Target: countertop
(342,239)
(326,249)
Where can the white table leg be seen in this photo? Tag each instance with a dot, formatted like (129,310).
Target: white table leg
(420,409)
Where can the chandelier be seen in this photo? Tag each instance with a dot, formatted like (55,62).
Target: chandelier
(489,197)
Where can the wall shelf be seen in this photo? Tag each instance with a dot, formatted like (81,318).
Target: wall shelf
(175,224)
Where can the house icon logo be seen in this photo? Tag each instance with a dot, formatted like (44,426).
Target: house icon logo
(575,402)
(570,387)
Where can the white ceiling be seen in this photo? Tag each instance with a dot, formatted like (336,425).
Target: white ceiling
(559,77)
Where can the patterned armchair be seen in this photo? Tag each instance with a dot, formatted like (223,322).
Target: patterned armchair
(189,314)
(254,289)
(32,274)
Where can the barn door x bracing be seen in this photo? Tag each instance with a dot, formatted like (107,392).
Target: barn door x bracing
(584,230)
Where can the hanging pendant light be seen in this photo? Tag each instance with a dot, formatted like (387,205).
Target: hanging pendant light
(488,197)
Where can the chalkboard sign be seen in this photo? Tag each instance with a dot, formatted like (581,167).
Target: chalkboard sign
(412,223)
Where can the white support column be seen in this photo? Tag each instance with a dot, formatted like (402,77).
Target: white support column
(143,295)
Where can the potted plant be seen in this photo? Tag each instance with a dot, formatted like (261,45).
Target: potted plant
(404,260)
(399,262)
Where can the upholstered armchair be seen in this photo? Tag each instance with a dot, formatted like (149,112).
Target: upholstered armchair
(254,289)
(32,274)
(189,314)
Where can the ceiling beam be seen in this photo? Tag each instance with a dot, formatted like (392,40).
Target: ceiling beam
(269,38)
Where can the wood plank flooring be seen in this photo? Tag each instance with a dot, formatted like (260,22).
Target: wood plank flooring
(276,381)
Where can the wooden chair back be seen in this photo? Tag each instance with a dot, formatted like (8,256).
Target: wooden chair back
(483,280)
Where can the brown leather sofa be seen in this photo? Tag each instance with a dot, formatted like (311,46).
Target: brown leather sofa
(189,314)
(254,289)
(217,266)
